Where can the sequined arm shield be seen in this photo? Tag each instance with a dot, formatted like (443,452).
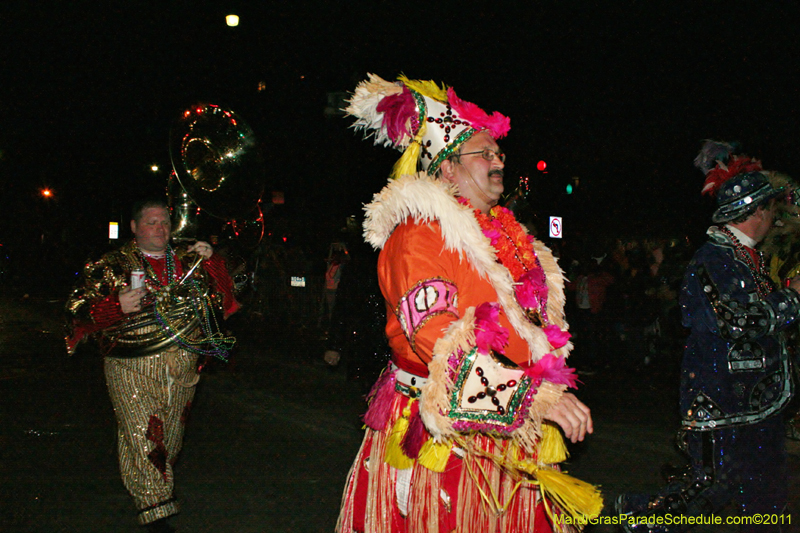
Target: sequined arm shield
(425,300)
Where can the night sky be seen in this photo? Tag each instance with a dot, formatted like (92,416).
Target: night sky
(620,94)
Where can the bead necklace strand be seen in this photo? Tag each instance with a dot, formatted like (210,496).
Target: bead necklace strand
(760,274)
(212,342)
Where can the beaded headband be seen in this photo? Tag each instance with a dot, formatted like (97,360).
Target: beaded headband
(426,122)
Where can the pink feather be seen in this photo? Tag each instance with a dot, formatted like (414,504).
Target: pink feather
(553,369)
(532,290)
(397,109)
(497,125)
(556,337)
(489,334)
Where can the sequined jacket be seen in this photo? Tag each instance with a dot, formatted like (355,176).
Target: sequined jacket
(736,366)
(93,307)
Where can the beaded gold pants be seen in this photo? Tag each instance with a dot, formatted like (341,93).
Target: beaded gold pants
(152,397)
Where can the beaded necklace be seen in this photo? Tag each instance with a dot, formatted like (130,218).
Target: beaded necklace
(211,341)
(150,273)
(514,250)
(760,272)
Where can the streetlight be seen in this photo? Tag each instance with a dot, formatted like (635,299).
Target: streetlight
(46,193)
(232,20)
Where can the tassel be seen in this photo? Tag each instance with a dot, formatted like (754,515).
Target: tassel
(552,448)
(381,400)
(416,435)
(407,164)
(394,452)
(582,501)
(434,456)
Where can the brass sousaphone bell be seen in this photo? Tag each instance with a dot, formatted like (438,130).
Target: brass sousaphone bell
(217,169)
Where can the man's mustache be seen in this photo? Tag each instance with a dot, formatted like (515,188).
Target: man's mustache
(496,172)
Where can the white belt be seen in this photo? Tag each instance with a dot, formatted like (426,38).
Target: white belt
(408,379)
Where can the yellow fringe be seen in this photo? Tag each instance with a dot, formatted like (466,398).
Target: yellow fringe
(394,452)
(425,88)
(552,448)
(581,500)
(577,498)
(434,456)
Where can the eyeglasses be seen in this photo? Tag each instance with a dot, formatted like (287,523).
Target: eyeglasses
(489,154)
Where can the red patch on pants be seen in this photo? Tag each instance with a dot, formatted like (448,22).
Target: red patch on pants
(158,456)
(185,413)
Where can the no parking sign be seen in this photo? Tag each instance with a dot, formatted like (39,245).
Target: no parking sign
(555,227)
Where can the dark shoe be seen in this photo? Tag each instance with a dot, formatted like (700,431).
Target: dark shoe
(160,526)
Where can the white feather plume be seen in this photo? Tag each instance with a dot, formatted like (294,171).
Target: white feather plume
(363,106)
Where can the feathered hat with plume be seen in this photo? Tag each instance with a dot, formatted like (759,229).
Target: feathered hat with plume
(736,180)
(425,121)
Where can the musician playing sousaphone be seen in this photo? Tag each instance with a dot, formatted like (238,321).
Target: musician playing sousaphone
(152,338)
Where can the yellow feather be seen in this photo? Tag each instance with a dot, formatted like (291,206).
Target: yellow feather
(425,88)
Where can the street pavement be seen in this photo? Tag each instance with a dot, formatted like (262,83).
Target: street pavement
(270,438)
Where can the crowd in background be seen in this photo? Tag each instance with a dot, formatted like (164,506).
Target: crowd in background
(622,296)
(623,304)
(622,301)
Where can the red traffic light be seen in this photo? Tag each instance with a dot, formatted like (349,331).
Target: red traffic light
(541,166)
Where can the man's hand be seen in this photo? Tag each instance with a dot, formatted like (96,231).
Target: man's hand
(130,300)
(203,248)
(573,417)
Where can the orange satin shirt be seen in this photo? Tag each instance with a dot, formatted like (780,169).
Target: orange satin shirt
(416,252)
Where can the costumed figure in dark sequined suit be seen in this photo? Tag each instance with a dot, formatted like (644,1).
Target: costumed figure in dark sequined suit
(152,338)
(463,427)
(735,377)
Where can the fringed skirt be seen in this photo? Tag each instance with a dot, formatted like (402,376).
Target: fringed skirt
(443,488)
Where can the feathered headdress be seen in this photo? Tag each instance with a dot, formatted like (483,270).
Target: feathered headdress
(425,121)
(719,162)
(735,180)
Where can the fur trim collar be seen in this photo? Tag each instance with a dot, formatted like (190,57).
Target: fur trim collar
(426,199)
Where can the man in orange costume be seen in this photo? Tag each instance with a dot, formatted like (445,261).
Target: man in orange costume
(455,440)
